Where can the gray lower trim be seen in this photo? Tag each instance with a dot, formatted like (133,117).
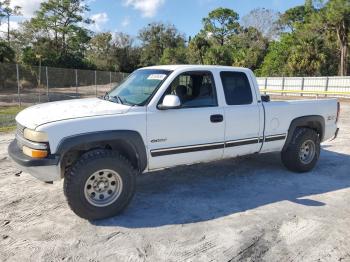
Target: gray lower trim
(242,142)
(128,139)
(21,159)
(186,149)
(213,146)
(275,138)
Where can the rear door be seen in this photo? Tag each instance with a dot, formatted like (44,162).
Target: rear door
(243,133)
(192,133)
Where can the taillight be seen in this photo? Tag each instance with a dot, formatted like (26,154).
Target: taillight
(338,112)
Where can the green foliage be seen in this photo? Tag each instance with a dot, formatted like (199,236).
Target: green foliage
(218,55)
(7,54)
(197,49)
(274,63)
(221,24)
(249,48)
(337,18)
(304,40)
(56,35)
(155,39)
(7,117)
(173,56)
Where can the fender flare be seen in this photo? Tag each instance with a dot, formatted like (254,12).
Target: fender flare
(128,138)
(314,122)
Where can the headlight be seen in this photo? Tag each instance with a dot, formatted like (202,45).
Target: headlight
(35,135)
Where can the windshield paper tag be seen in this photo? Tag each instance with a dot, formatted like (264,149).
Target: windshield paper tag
(156,77)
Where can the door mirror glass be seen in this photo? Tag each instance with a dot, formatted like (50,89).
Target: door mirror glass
(170,102)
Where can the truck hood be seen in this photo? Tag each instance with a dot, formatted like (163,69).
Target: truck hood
(34,116)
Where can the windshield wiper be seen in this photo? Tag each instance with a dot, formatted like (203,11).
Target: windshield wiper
(117,99)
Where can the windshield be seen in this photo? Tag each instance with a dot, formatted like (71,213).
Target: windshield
(138,88)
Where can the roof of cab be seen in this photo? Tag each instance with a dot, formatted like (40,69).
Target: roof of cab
(176,67)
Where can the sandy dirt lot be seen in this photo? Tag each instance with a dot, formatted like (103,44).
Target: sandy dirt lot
(246,209)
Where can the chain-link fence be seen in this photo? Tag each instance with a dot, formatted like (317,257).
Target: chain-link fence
(26,85)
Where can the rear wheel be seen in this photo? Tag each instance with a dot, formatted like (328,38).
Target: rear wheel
(100,185)
(303,151)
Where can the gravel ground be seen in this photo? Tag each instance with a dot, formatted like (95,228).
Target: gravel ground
(246,209)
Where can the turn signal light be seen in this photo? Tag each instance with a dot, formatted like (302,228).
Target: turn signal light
(34,152)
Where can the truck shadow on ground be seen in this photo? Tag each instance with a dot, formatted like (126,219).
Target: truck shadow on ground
(207,191)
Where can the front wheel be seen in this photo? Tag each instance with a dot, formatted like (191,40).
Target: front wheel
(303,151)
(100,185)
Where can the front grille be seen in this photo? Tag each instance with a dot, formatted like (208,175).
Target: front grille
(20,130)
(20,134)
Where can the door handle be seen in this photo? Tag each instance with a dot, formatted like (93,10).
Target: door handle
(216,118)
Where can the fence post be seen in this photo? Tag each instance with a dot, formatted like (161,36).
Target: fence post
(265,84)
(283,86)
(326,87)
(302,86)
(39,81)
(47,85)
(76,82)
(95,83)
(18,86)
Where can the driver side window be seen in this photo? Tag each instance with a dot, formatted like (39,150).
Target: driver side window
(195,89)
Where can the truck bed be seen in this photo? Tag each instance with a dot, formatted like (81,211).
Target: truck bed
(279,114)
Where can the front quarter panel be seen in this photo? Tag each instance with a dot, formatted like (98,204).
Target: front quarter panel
(134,120)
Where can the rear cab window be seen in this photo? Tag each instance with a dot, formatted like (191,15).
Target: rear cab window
(236,87)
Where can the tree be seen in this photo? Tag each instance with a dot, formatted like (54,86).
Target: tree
(7,54)
(6,11)
(99,51)
(126,56)
(249,48)
(274,63)
(264,20)
(56,33)
(221,24)
(218,55)
(174,56)
(63,19)
(155,38)
(197,49)
(337,16)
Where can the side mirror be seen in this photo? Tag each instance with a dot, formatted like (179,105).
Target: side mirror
(265,98)
(170,102)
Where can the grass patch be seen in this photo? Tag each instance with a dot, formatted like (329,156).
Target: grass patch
(7,129)
(7,117)
(10,110)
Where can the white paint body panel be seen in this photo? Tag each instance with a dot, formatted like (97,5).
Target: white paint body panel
(180,127)
(280,114)
(69,109)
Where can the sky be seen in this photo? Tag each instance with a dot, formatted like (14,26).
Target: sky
(129,16)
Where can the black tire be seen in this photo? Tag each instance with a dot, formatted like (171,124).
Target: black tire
(291,157)
(76,179)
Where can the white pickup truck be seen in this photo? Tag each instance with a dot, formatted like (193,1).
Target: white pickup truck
(161,117)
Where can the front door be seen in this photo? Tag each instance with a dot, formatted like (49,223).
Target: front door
(189,134)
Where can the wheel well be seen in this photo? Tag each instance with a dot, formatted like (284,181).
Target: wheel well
(316,123)
(125,149)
